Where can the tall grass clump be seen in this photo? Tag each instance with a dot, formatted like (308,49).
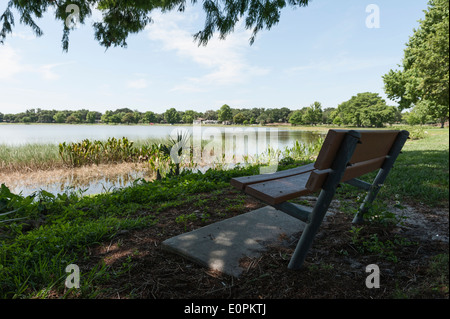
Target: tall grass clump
(29,156)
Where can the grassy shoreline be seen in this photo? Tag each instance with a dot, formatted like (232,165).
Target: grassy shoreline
(36,156)
(56,230)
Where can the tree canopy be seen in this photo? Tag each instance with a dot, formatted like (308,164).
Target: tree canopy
(120,18)
(307,115)
(365,109)
(425,66)
(225,113)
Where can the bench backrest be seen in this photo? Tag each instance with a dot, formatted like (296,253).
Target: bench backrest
(368,156)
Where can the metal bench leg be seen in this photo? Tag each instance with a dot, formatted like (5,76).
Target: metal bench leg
(370,197)
(310,231)
(324,200)
(381,176)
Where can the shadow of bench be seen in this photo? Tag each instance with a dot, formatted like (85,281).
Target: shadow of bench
(344,156)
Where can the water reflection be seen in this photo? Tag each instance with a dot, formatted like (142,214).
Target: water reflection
(74,182)
(19,134)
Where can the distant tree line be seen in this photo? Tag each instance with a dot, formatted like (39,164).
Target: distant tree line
(363,110)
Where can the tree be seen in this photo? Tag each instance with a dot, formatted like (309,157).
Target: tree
(425,66)
(313,114)
(111,117)
(31,113)
(116,118)
(125,17)
(263,118)
(211,115)
(284,114)
(60,117)
(80,115)
(419,114)
(172,116)
(137,116)
(123,110)
(327,117)
(364,109)
(45,116)
(73,119)
(239,118)
(269,116)
(149,117)
(10,118)
(189,116)
(225,113)
(128,118)
(26,119)
(106,117)
(91,117)
(296,118)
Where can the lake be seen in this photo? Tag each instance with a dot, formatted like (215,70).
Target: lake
(248,140)
(19,134)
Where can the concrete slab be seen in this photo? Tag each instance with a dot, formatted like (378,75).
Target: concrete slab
(220,246)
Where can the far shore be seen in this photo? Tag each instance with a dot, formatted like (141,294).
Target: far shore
(289,126)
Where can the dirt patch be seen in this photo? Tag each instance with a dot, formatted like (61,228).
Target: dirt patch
(335,266)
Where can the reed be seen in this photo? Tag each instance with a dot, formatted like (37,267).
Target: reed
(29,157)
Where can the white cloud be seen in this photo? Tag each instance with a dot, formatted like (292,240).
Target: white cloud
(137,84)
(9,62)
(224,61)
(11,65)
(342,64)
(47,71)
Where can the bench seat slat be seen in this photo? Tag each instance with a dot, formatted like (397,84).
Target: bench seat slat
(280,190)
(241,182)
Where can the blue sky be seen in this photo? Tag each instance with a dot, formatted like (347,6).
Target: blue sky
(323,52)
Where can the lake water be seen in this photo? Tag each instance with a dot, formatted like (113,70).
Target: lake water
(19,134)
(249,140)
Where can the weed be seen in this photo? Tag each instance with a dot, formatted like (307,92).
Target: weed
(302,151)
(113,150)
(378,212)
(439,270)
(373,245)
(185,218)
(355,232)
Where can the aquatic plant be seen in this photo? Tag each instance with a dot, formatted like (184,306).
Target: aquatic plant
(113,150)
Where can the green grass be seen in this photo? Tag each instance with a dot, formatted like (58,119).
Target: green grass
(420,173)
(52,231)
(56,230)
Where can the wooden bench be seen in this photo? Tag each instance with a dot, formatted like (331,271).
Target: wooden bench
(344,156)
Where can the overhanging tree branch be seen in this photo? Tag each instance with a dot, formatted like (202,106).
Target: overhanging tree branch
(120,18)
